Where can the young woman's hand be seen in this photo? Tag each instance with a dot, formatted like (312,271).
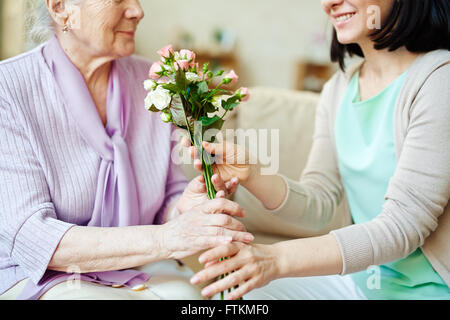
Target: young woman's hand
(206,226)
(232,164)
(195,193)
(231,161)
(249,266)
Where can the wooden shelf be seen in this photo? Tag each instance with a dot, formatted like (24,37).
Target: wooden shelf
(312,76)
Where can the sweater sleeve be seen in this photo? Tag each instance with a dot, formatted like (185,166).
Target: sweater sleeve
(419,190)
(312,202)
(29,230)
(176,183)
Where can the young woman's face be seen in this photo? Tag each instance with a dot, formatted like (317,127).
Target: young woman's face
(355,20)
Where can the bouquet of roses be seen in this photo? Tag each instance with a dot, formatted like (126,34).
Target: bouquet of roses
(180,90)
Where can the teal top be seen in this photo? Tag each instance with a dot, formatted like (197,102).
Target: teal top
(367,160)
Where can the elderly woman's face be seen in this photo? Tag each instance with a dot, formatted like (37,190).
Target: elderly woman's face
(107,27)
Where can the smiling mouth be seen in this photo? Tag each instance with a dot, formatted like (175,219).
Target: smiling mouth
(344,17)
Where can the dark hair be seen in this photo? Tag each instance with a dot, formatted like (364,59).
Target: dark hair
(419,25)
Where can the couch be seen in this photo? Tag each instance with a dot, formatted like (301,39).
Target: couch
(293,114)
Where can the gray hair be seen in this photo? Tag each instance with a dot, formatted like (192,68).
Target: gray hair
(38,22)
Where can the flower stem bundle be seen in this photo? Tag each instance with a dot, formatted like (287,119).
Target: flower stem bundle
(180,90)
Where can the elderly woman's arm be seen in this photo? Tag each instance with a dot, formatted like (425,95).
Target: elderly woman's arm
(35,239)
(90,249)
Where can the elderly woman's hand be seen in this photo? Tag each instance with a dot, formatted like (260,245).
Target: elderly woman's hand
(204,227)
(195,193)
(249,266)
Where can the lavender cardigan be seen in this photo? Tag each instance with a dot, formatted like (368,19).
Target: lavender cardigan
(48,173)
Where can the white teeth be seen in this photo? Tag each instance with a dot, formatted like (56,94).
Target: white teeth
(344,17)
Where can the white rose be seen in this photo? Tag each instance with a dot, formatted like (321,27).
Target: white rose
(177,56)
(217,100)
(150,85)
(160,98)
(148,102)
(191,76)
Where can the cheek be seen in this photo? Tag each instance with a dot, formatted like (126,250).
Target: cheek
(99,20)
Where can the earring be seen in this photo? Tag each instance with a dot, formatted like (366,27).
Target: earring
(66,28)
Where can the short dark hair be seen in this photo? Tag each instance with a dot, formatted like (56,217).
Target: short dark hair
(419,25)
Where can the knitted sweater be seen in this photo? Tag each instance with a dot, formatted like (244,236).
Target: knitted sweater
(48,173)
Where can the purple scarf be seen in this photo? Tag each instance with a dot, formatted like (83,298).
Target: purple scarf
(116,201)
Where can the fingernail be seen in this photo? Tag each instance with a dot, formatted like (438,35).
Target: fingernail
(206,292)
(249,238)
(195,279)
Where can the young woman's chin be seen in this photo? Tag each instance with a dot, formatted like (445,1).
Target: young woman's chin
(348,37)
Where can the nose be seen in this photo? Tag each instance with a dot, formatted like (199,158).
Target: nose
(134,10)
(329,5)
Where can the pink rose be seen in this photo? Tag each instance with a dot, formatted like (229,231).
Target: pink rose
(183,64)
(156,68)
(233,76)
(166,51)
(187,55)
(245,94)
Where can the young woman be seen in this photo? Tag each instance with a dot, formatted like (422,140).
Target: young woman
(382,137)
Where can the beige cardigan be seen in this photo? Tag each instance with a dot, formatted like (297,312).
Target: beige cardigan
(416,210)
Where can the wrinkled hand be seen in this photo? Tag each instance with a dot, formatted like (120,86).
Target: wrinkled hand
(250,267)
(195,193)
(204,227)
(231,161)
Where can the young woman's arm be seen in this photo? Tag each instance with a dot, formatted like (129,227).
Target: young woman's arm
(418,195)
(256,265)
(312,202)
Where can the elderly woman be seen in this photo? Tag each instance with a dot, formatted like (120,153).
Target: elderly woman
(88,187)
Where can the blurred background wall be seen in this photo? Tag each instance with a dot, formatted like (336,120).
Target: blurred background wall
(11,28)
(277,43)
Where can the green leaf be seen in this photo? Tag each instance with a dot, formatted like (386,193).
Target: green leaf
(217,92)
(181,80)
(171,87)
(202,88)
(206,121)
(209,108)
(212,123)
(231,103)
(178,114)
